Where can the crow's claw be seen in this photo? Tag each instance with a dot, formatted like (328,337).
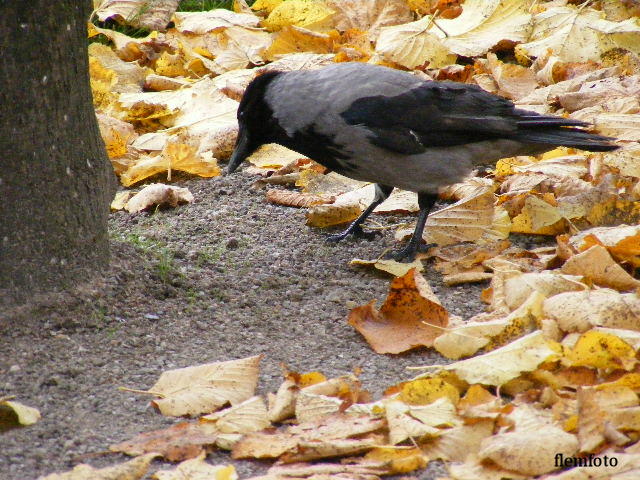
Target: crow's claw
(356,231)
(408,253)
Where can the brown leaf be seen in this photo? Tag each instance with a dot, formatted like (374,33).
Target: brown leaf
(291,198)
(177,443)
(329,436)
(410,317)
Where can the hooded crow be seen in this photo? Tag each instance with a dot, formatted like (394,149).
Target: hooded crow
(389,127)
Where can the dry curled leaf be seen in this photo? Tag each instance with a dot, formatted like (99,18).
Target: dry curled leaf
(297,199)
(158,194)
(410,317)
(177,443)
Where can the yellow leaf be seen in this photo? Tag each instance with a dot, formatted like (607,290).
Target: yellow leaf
(197,468)
(311,378)
(294,39)
(470,219)
(266,5)
(538,217)
(399,459)
(499,366)
(15,414)
(601,350)
(310,14)
(132,470)
(424,391)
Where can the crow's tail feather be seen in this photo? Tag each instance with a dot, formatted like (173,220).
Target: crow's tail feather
(561,131)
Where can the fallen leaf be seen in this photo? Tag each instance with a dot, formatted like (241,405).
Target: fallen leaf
(397,269)
(518,288)
(597,265)
(138,13)
(530,451)
(296,199)
(579,311)
(310,14)
(499,366)
(577,34)
(597,349)
(245,417)
(201,23)
(465,221)
(177,443)
(396,459)
(323,433)
(410,317)
(15,415)
(402,426)
(294,39)
(158,194)
(205,388)
(132,470)
(369,15)
(197,469)
(455,444)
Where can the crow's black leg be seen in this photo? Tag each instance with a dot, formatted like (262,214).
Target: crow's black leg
(408,253)
(382,193)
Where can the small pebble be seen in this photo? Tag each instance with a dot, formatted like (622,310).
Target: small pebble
(151,316)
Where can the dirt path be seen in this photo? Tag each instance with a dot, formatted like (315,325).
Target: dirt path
(226,277)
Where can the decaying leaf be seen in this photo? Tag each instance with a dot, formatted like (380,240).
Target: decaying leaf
(138,13)
(597,265)
(397,269)
(530,451)
(177,443)
(410,317)
(597,349)
(368,15)
(245,417)
(197,469)
(15,415)
(505,363)
(205,388)
(623,241)
(579,311)
(455,444)
(337,435)
(132,470)
(296,199)
(311,14)
(158,194)
(467,220)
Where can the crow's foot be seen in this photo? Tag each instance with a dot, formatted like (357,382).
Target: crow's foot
(356,231)
(409,252)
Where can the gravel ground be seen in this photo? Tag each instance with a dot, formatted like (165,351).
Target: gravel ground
(226,277)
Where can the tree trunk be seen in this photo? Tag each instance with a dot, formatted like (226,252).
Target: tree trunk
(55,180)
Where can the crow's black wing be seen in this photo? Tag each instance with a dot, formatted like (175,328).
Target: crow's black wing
(445,114)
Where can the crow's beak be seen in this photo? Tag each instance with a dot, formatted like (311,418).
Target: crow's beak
(242,150)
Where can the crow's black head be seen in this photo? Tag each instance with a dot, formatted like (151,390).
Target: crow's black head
(255,119)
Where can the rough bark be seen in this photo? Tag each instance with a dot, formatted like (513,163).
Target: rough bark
(55,179)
